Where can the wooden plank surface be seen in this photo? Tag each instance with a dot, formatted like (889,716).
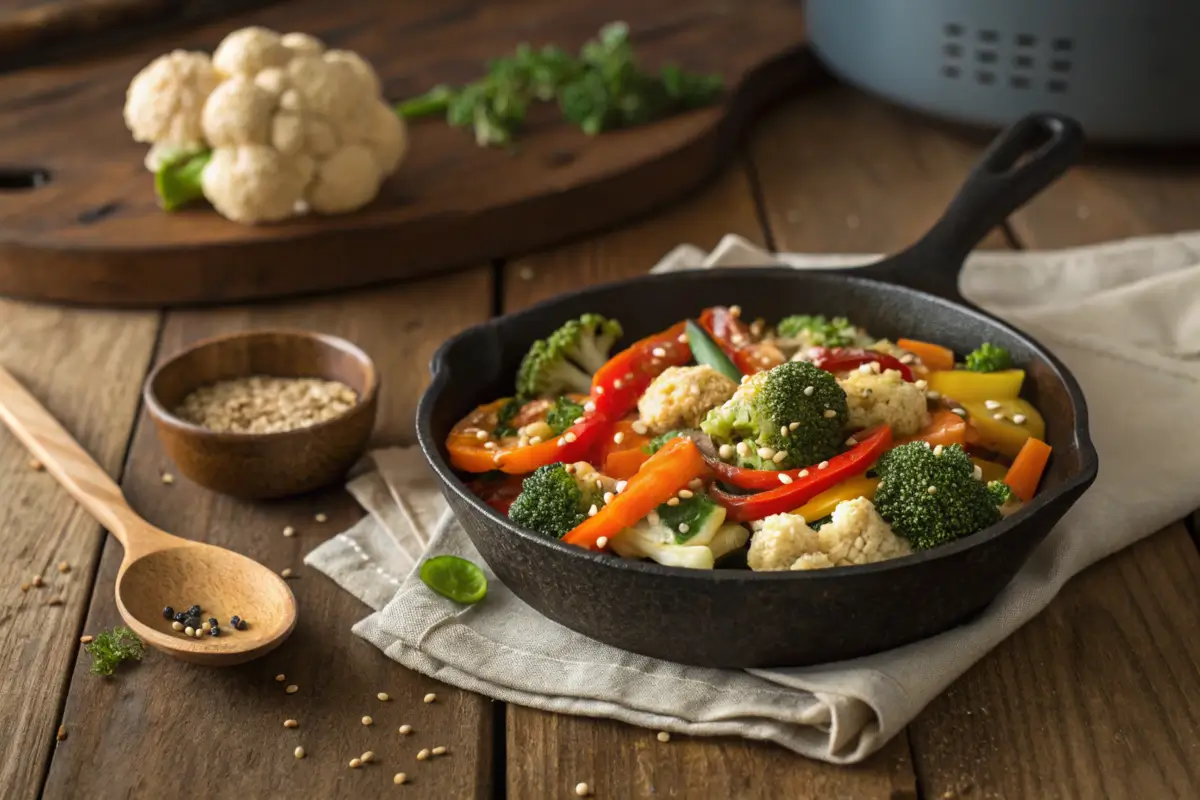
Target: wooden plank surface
(547,753)
(86,367)
(168,729)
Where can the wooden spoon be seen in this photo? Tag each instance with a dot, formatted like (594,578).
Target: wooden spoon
(160,569)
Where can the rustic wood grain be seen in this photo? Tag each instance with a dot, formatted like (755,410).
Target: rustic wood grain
(166,729)
(87,368)
(94,235)
(549,754)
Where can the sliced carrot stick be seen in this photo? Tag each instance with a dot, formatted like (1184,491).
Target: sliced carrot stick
(933,356)
(664,473)
(1027,468)
(944,428)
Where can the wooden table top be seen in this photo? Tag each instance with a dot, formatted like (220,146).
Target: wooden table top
(1099,696)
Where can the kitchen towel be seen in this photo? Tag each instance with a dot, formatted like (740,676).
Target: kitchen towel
(1124,317)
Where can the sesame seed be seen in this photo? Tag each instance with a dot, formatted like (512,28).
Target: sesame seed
(738,339)
(367,757)
(429,698)
(618,437)
(168,478)
(569,469)
(289,531)
(829,413)
(481,435)
(582,789)
(399,778)
(766,452)
(618,383)
(608,497)
(998,416)
(589,406)
(439,751)
(681,338)
(64,567)
(535,440)
(24,587)
(286,572)
(725,452)
(405,730)
(640,428)
(423,755)
(658,352)
(599,390)
(298,752)
(784,478)
(577,420)
(735,311)
(864,369)
(61,735)
(620,487)
(383,696)
(779,456)
(745,378)
(933,395)
(54,601)
(937,451)
(1019,419)
(280,678)
(602,542)
(907,358)
(783,430)
(593,511)
(367,721)
(977,474)
(686,494)
(823,465)
(991,405)
(962,412)
(489,445)
(743,449)
(793,426)
(36,465)
(683,527)
(292,688)
(932,490)
(664,737)
(355,763)
(808,391)
(38,582)
(561,442)
(922,385)
(523,441)
(802,473)
(674,501)
(85,639)
(290,723)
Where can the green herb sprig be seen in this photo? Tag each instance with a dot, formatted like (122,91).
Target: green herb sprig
(110,648)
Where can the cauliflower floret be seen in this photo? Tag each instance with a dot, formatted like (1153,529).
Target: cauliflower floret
(301,44)
(238,112)
(890,348)
(164,101)
(856,534)
(681,396)
(385,134)
(250,50)
(255,183)
(346,181)
(884,398)
(325,86)
(365,72)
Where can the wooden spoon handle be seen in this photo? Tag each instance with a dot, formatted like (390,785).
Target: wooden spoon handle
(64,458)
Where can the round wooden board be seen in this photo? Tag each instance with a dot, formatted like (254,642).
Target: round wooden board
(92,234)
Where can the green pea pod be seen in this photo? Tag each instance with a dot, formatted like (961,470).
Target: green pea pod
(706,351)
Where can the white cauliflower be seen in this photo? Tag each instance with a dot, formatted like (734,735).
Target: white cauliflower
(856,534)
(290,125)
(681,396)
(884,398)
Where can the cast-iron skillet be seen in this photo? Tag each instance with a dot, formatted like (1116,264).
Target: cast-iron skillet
(738,618)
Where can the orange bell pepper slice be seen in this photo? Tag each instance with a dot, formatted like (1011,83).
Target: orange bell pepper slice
(622,460)
(574,445)
(1027,468)
(675,465)
(467,452)
(944,428)
(933,356)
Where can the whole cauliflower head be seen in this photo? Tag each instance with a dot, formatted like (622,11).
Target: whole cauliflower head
(165,101)
(884,398)
(856,534)
(681,397)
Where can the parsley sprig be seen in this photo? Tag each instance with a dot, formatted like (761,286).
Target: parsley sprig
(110,648)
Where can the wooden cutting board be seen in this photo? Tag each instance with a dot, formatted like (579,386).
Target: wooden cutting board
(79,222)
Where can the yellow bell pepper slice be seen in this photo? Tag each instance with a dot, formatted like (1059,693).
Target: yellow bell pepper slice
(823,504)
(996,428)
(991,470)
(963,385)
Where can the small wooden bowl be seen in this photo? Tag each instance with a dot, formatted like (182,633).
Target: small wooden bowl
(256,466)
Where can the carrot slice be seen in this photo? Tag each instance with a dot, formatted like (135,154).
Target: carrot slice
(1027,468)
(944,428)
(677,463)
(933,356)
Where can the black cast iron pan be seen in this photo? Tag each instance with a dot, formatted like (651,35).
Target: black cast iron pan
(738,618)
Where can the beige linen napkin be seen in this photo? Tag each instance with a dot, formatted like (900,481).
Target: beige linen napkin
(1124,317)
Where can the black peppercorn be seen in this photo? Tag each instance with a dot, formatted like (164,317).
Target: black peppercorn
(214,631)
(168,613)
(194,611)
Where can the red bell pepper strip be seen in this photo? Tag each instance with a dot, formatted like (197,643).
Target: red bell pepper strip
(497,493)
(844,359)
(786,497)
(574,444)
(621,460)
(733,336)
(618,384)
(677,463)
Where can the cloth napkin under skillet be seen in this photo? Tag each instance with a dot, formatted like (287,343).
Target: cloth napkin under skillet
(1124,317)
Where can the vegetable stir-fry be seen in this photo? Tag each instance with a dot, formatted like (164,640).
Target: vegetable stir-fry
(805,445)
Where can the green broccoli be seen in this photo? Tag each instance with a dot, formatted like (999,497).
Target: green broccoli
(988,358)
(654,445)
(795,408)
(553,501)
(1001,493)
(931,496)
(565,361)
(817,331)
(563,414)
(504,418)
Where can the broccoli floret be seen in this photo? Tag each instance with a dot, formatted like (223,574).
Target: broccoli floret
(817,331)
(565,361)
(553,501)
(931,496)
(504,418)
(795,408)
(1001,493)
(988,358)
(563,414)
(654,445)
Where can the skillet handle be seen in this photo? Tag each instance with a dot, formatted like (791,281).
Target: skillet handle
(1021,161)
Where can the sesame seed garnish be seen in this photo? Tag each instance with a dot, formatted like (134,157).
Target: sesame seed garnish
(674,501)
(289,531)
(695,484)
(598,390)
(423,755)
(608,497)
(593,510)
(664,737)
(735,311)
(439,750)
(292,688)
(784,478)
(523,441)
(620,487)
(922,384)
(36,465)
(640,428)
(725,452)
(658,352)
(367,721)
(745,378)
(405,730)
(743,449)
(429,698)
(577,420)
(298,752)
(933,395)
(808,391)
(618,383)
(962,412)
(977,474)
(991,405)
(783,430)
(793,426)
(399,778)
(681,338)
(802,473)
(54,601)
(280,678)
(582,789)
(290,723)
(864,369)
(561,442)
(851,441)
(602,542)
(383,696)
(24,587)
(829,413)
(168,478)
(998,416)
(286,572)
(907,358)
(536,440)
(589,406)
(765,452)
(686,494)
(85,639)
(64,567)
(355,763)
(932,490)
(1019,419)
(367,757)
(823,465)
(569,469)
(683,527)
(937,451)
(779,456)
(481,435)
(618,437)
(38,582)
(489,445)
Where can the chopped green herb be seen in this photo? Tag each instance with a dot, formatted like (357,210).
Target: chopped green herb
(988,358)
(504,418)
(110,648)
(563,414)
(654,445)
